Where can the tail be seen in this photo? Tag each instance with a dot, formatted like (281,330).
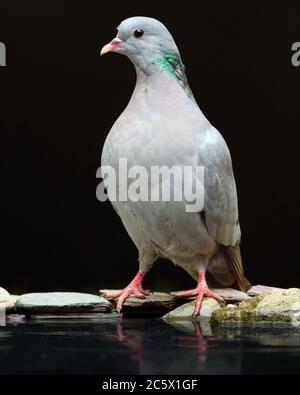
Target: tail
(226,267)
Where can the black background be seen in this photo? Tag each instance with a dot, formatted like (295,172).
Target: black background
(59,100)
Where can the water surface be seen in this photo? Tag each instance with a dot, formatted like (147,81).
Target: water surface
(143,346)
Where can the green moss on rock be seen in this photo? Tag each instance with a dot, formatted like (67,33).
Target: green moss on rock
(243,312)
(275,306)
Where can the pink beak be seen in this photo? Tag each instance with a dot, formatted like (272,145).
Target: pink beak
(115,43)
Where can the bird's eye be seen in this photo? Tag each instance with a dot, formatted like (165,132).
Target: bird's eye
(138,33)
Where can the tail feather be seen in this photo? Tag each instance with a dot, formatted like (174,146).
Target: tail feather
(227,268)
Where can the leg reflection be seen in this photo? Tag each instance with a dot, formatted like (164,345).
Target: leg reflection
(198,341)
(133,343)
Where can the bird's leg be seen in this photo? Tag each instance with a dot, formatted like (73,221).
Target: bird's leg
(200,291)
(134,288)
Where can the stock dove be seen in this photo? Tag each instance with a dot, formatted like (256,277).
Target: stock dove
(163,126)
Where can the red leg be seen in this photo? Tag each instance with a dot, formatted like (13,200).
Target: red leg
(200,291)
(134,288)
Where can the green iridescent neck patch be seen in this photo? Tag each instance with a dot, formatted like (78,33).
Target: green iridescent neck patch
(167,63)
(171,64)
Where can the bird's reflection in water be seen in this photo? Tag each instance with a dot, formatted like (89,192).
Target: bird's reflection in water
(133,343)
(143,346)
(198,337)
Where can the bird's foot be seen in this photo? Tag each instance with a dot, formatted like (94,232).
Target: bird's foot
(200,291)
(134,288)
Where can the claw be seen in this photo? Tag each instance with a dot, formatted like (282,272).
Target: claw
(134,288)
(200,291)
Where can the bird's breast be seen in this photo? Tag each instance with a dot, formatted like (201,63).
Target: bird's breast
(154,140)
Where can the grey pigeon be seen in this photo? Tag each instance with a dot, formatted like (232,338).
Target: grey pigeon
(163,126)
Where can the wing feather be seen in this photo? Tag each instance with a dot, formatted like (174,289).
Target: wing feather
(221,203)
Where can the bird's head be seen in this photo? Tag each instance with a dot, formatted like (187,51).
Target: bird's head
(147,43)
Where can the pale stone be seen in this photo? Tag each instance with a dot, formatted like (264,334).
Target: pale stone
(285,302)
(232,295)
(10,304)
(256,290)
(4,295)
(7,301)
(59,302)
(186,311)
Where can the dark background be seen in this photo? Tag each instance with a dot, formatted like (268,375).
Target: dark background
(59,100)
